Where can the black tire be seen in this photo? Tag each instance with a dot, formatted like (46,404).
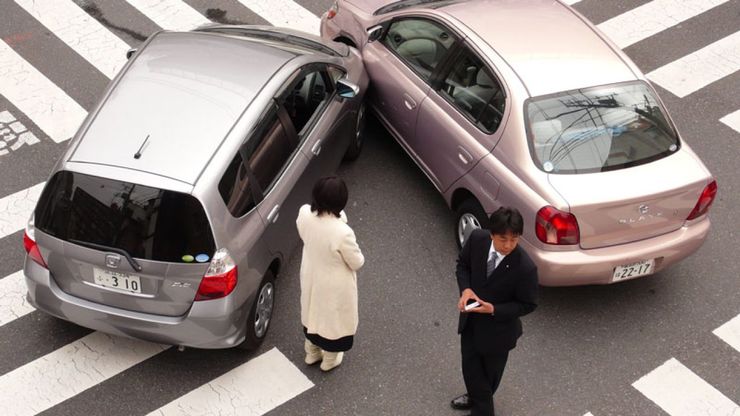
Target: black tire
(468,216)
(260,314)
(355,148)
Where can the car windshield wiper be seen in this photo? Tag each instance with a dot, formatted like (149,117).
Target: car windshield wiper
(120,251)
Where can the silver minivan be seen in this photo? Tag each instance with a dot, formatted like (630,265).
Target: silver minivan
(173,209)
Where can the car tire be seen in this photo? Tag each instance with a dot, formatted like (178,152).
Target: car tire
(469,216)
(355,148)
(260,314)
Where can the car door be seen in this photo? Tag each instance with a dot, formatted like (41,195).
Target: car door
(402,64)
(458,122)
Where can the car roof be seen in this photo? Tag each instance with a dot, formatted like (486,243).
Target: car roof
(547,44)
(184,91)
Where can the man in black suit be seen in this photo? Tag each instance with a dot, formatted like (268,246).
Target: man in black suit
(495,272)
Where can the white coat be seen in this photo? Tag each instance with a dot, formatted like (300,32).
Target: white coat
(331,257)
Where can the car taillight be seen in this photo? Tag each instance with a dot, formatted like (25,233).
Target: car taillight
(705,201)
(220,278)
(332,11)
(29,243)
(556,227)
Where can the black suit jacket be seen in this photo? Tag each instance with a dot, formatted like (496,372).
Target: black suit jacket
(511,288)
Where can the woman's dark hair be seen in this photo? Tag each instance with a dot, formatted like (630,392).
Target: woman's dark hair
(506,219)
(329,196)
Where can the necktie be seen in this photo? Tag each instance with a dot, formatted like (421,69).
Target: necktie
(491,263)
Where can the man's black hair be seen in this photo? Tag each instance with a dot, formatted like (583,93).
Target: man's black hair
(506,219)
(329,196)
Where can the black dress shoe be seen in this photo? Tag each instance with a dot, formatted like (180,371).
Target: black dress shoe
(461,402)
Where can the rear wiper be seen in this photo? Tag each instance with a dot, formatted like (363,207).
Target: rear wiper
(120,251)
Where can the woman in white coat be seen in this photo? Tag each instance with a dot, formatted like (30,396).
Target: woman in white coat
(330,260)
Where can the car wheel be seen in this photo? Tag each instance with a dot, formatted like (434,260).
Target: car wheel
(260,315)
(354,149)
(470,216)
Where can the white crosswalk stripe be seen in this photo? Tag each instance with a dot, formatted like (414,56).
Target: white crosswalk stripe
(81,32)
(732,120)
(16,209)
(70,370)
(730,332)
(651,18)
(170,14)
(41,100)
(701,68)
(252,389)
(285,13)
(13,303)
(680,392)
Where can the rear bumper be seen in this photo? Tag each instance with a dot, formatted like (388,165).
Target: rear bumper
(215,323)
(596,266)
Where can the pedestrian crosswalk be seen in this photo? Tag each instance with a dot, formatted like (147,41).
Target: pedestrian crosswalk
(265,382)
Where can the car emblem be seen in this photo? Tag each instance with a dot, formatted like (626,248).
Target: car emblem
(643,209)
(112,260)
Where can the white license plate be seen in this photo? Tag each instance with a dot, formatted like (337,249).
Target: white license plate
(628,271)
(117,280)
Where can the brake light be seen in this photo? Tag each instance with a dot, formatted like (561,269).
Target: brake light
(220,278)
(705,201)
(553,226)
(332,11)
(29,243)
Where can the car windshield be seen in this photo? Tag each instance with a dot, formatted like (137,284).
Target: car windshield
(598,129)
(403,4)
(148,223)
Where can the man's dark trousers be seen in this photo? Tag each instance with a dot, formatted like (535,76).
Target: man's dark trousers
(482,374)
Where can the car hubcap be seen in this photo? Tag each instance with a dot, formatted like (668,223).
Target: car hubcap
(465,226)
(264,310)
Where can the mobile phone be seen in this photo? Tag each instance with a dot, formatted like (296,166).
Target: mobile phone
(474,304)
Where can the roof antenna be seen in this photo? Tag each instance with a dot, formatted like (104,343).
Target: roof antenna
(138,152)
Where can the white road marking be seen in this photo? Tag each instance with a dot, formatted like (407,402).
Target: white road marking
(16,209)
(698,69)
(732,120)
(680,392)
(70,370)
(252,389)
(570,2)
(730,331)
(651,18)
(588,414)
(13,303)
(39,99)
(85,35)
(170,14)
(285,13)
(13,134)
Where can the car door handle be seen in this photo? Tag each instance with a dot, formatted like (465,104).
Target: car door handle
(274,214)
(316,148)
(464,156)
(408,101)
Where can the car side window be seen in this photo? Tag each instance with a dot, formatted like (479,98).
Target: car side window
(421,43)
(267,152)
(307,96)
(471,87)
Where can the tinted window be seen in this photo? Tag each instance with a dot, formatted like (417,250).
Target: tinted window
(306,97)
(475,92)
(598,129)
(149,223)
(421,43)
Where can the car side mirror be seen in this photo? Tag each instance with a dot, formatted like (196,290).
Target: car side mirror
(130,53)
(347,89)
(374,33)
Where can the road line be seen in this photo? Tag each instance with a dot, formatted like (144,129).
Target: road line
(285,13)
(16,209)
(730,331)
(13,303)
(170,14)
(732,120)
(680,392)
(85,35)
(701,68)
(70,370)
(50,108)
(252,389)
(651,18)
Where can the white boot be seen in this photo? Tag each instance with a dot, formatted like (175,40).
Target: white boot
(314,354)
(331,360)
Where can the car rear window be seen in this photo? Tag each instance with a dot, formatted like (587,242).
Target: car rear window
(598,129)
(149,223)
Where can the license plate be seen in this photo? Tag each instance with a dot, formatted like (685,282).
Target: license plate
(628,271)
(117,280)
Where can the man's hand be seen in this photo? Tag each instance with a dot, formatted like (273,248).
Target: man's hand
(484,307)
(467,295)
